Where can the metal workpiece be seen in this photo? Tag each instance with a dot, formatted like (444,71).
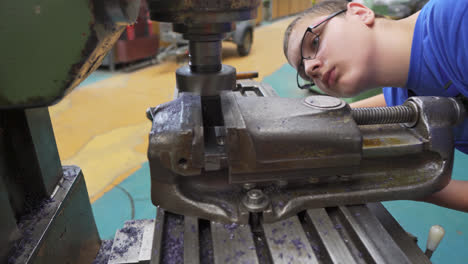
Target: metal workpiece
(90,31)
(351,234)
(206,83)
(208,11)
(204,152)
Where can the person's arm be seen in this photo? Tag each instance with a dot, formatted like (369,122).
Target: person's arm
(374,101)
(453,196)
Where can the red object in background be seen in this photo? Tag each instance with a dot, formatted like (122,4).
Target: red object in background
(142,27)
(138,41)
(139,48)
(130,30)
(150,23)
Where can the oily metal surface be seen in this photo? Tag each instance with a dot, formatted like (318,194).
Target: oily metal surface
(203,163)
(349,234)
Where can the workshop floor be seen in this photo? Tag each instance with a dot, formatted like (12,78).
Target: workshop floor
(102,127)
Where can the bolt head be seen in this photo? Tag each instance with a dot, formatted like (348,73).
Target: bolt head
(255,200)
(248,186)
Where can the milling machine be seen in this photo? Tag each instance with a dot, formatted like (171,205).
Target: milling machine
(240,175)
(291,175)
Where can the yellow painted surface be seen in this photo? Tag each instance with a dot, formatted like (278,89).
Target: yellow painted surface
(103,127)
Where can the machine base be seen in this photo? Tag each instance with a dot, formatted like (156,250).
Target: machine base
(62,228)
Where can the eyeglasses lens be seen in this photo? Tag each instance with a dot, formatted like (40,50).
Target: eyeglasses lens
(309,46)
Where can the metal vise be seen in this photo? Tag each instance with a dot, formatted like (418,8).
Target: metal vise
(225,151)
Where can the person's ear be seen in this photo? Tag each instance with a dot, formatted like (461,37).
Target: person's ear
(362,12)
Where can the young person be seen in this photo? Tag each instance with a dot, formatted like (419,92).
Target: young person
(345,49)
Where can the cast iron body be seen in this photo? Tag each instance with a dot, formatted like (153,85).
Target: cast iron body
(299,153)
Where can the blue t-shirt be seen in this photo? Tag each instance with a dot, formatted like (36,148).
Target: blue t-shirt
(439,58)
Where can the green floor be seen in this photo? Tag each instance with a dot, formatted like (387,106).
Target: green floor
(131,198)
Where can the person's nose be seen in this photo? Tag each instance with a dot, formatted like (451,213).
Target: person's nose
(312,67)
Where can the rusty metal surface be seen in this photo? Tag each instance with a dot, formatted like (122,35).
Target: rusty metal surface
(299,156)
(207,11)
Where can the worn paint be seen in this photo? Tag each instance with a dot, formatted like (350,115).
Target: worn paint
(32,76)
(381,142)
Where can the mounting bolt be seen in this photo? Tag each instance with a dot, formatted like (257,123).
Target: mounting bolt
(249,186)
(220,141)
(255,201)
